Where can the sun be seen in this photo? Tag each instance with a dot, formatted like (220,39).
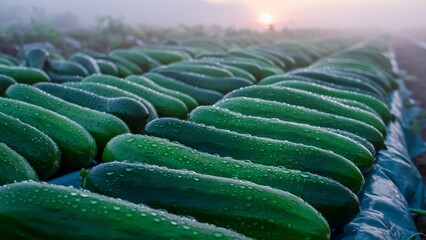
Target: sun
(265,18)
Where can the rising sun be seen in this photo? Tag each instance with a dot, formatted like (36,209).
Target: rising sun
(265,18)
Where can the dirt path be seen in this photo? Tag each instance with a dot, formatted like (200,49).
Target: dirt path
(412,59)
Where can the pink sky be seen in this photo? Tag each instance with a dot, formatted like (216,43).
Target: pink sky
(394,14)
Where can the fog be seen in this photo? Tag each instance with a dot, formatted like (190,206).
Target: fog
(67,14)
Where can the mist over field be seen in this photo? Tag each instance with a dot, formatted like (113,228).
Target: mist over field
(67,14)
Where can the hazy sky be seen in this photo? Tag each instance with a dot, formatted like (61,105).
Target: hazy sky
(395,14)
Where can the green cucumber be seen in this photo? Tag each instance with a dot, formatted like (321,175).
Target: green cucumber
(258,150)
(101,126)
(36,58)
(201,95)
(113,92)
(88,62)
(132,112)
(338,208)
(205,69)
(141,59)
(309,100)
(6,62)
(341,80)
(281,130)
(356,138)
(66,67)
(221,201)
(281,78)
(31,210)
(123,71)
(164,56)
(165,105)
(291,113)
(78,148)
(122,62)
(36,147)
(190,102)
(220,84)
(243,63)
(24,74)
(107,67)
(13,167)
(5,82)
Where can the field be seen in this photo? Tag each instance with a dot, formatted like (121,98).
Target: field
(135,132)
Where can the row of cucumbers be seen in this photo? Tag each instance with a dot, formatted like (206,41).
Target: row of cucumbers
(253,134)
(256,143)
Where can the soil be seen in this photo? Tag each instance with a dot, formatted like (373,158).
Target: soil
(411,59)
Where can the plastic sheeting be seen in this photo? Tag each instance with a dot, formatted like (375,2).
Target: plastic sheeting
(394,184)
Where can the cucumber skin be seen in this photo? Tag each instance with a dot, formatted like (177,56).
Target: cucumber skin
(309,100)
(14,167)
(259,150)
(101,126)
(113,92)
(36,147)
(287,112)
(221,201)
(166,106)
(78,148)
(281,130)
(338,208)
(132,112)
(31,210)
(24,74)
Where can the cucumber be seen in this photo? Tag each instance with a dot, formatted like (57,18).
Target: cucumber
(77,146)
(204,69)
(243,63)
(221,201)
(6,62)
(13,167)
(201,95)
(66,67)
(31,210)
(24,74)
(88,62)
(5,82)
(356,138)
(132,112)
(36,147)
(101,126)
(125,64)
(165,105)
(220,84)
(281,78)
(281,130)
(107,67)
(238,72)
(113,92)
(309,100)
(123,71)
(63,78)
(258,150)
(341,80)
(164,56)
(36,58)
(291,113)
(338,208)
(190,102)
(141,59)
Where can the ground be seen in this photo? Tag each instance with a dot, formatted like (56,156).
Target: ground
(412,59)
